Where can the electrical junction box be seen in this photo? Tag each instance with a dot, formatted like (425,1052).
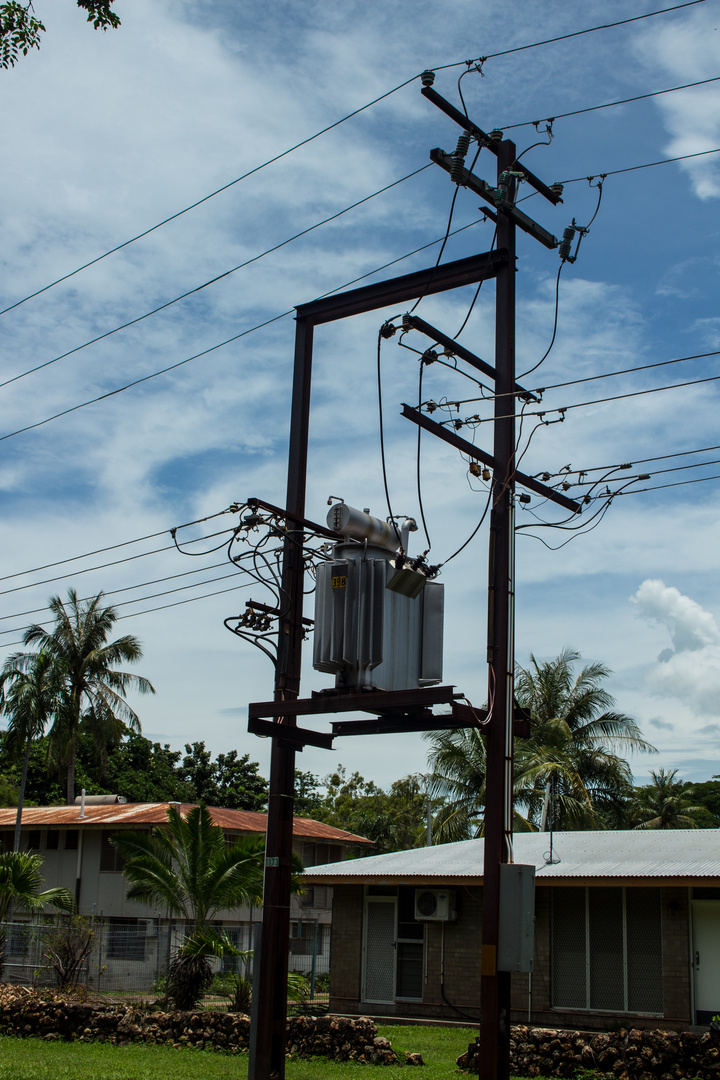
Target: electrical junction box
(516,935)
(435,905)
(368,636)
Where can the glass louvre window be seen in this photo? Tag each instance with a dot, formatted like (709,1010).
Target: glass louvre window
(607,949)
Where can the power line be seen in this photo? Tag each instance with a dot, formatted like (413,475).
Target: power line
(342,120)
(228,341)
(212,281)
(114,547)
(590,30)
(212,195)
(161,607)
(152,596)
(606,105)
(649,165)
(116,562)
(630,464)
(113,592)
(589,378)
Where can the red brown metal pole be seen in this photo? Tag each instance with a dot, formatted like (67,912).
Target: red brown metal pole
(267,1060)
(494,984)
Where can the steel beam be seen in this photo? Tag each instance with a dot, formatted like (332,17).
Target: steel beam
(371,701)
(398,290)
(432,95)
(290,733)
(458,350)
(487,459)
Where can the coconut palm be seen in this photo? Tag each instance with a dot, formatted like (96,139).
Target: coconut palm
(574,739)
(188,866)
(28,698)
(665,804)
(94,690)
(577,737)
(21,889)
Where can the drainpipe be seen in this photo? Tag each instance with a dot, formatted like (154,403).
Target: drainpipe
(78,871)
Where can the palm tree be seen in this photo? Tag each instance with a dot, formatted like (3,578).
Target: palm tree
(576,736)
(21,889)
(94,691)
(188,866)
(665,804)
(29,698)
(574,739)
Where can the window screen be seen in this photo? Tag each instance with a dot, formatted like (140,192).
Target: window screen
(607,949)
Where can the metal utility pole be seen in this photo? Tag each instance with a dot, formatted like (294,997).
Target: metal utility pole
(494,984)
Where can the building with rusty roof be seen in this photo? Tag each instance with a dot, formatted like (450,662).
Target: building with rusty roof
(74,842)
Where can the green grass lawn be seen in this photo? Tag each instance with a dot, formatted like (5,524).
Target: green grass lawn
(33,1059)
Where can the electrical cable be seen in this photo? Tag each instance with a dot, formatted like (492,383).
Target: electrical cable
(603,401)
(590,30)
(342,120)
(593,378)
(382,435)
(445,238)
(606,105)
(276,318)
(104,566)
(114,547)
(639,461)
(417,469)
(476,293)
(142,599)
(228,341)
(113,592)
(212,194)
(471,537)
(161,607)
(555,323)
(648,165)
(212,281)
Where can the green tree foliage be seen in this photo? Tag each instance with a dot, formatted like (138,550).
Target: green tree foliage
(230,780)
(28,698)
(707,797)
(93,697)
(576,741)
(21,890)
(394,819)
(666,803)
(187,866)
(20,30)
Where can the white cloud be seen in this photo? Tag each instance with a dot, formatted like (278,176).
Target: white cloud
(690,670)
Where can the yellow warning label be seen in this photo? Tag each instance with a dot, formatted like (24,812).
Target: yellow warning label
(339,582)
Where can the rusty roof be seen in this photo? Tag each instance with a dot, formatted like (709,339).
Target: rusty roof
(134,815)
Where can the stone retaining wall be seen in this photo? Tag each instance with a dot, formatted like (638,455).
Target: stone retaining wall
(622,1055)
(46,1015)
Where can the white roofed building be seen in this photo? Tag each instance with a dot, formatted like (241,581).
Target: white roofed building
(626,928)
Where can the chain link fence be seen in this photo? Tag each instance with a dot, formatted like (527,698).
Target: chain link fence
(130,957)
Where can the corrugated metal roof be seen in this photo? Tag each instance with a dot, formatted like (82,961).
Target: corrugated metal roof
(675,855)
(139,814)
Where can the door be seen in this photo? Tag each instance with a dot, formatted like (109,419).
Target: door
(380,949)
(706,959)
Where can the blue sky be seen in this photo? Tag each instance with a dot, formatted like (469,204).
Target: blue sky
(106,135)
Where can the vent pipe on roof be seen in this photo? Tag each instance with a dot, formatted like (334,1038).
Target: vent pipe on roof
(97,800)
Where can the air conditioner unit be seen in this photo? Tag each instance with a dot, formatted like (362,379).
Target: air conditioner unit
(435,905)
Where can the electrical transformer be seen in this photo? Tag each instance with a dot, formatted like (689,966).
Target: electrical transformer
(367,633)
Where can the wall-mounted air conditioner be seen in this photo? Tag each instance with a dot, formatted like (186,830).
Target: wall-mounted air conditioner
(435,905)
